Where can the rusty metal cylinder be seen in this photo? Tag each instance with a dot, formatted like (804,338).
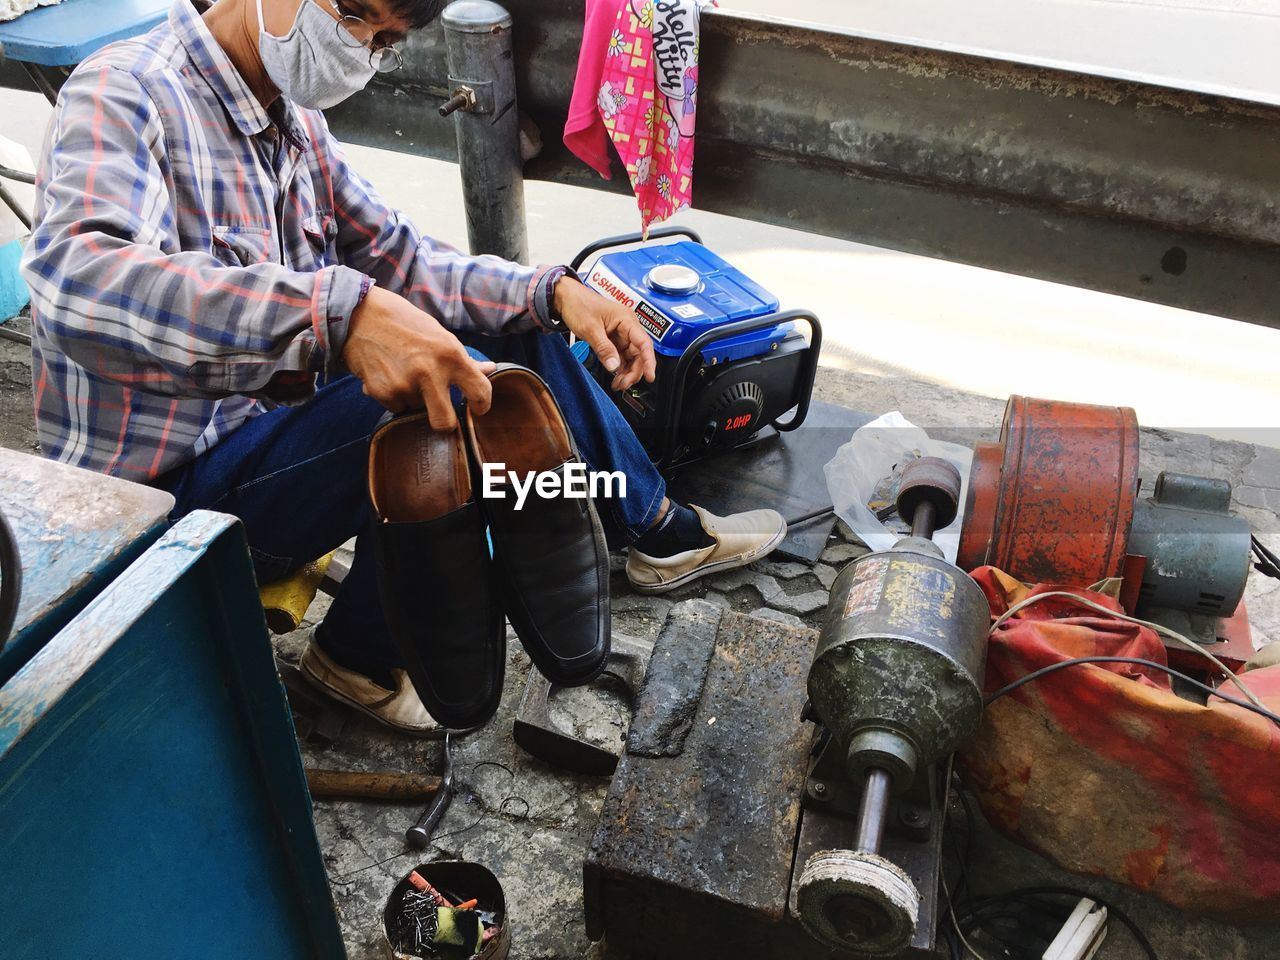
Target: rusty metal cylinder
(1053,500)
(897,677)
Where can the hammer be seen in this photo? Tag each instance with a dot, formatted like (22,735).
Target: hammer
(419,835)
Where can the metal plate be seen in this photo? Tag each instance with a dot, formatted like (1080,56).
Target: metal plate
(1110,184)
(781,471)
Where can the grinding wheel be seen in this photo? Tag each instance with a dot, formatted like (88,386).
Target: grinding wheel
(856,900)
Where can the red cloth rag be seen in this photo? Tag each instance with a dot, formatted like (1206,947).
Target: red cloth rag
(1104,770)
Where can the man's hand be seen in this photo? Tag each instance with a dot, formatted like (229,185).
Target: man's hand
(406,359)
(610,329)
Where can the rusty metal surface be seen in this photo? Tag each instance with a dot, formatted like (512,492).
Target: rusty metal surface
(1116,185)
(693,853)
(932,481)
(75,531)
(674,681)
(1060,508)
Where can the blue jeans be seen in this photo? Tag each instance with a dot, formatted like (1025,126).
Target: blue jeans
(297,479)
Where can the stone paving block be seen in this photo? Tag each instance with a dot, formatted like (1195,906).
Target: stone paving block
(767,613)
(639,603)
(783,570)
(1230,459)
(842,553)
(765,585)
(1261,497)
(826,575)
(801,603)
(1264,469)
(716,598)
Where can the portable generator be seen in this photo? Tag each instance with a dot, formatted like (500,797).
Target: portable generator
(729,363)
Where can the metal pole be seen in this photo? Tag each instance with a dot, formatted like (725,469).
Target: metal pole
(482,85)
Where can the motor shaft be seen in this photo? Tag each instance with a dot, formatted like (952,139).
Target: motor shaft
(873,812)
(922,521)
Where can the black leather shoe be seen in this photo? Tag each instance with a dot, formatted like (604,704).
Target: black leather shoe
(551,554)
(437,583)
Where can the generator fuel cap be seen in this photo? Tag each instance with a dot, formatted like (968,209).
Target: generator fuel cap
(674,279)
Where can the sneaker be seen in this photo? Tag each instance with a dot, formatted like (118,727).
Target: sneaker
(738,540)
(399,709)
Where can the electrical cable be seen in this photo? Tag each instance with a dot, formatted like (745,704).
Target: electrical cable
(977,905)
(1204,687)
(810,516)
(1158,628)
(951,909)
(1267,563)
(942,877)
(1031,893)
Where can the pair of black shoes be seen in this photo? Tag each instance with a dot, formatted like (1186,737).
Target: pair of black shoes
(445,593)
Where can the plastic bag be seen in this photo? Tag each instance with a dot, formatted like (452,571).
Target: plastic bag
(862,479)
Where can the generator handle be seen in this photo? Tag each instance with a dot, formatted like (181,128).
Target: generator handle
(623,240)
(694,352)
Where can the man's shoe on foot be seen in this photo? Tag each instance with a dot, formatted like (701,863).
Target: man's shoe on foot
(737,540)
(437,584)
(551,551)
(399,709)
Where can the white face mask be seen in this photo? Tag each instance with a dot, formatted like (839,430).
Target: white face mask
(310,65)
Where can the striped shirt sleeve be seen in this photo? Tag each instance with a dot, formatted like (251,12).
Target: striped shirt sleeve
(484,294)
(118,295)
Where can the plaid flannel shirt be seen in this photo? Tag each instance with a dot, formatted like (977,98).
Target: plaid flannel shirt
(196,258)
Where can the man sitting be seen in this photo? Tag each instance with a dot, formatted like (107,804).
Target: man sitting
(224,308)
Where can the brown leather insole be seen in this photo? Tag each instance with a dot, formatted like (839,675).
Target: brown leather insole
(417,473)
(523,429)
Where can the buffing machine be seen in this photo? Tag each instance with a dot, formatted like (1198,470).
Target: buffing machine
(734,828)
(895,686)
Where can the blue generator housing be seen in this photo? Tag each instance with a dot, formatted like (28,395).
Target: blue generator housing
(729,363)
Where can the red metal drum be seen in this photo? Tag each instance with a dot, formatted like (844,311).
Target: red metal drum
(1052,502)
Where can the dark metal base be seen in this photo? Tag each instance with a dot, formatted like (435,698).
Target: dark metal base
(535,731)
(912,840)
(695,853)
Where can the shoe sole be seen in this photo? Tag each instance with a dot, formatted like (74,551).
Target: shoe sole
(717,567)
(436,733)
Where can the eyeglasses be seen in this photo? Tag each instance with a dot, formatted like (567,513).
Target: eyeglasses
(354,32)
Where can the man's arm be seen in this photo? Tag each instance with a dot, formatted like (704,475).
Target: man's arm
(113,292)
(481,294)
(485,294)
